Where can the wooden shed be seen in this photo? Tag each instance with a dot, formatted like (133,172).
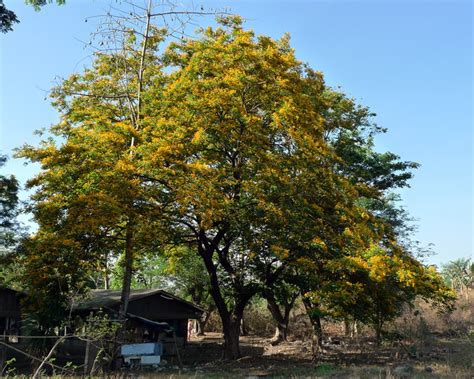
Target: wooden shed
(146,304)
(10,312)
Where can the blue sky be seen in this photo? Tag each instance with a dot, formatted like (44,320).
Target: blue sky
(409,61)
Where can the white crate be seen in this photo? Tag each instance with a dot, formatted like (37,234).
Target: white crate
(151,360)
(143,360)
(142,349)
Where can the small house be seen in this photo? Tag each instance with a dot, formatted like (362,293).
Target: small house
(151,312)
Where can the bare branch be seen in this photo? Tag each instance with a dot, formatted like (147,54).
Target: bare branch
(125,96)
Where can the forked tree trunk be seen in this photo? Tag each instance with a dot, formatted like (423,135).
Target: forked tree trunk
(281,319)
(231,319)
(201,323)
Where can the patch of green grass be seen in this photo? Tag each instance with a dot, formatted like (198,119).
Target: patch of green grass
(324,369)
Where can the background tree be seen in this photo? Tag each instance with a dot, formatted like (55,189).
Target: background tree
(280,299)
(11,231)
(37,4)
(89,191)
(459,274)
(350,131)
(150,270)
(392,281)
(104,105)
(190,281)
(7,18)
(9,203)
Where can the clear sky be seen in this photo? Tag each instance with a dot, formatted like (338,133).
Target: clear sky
(409,61)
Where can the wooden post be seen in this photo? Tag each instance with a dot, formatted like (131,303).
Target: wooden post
(3,357)
(177,350)
(86,358)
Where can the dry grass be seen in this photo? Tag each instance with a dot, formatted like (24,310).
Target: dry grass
(427,345)
(347,359)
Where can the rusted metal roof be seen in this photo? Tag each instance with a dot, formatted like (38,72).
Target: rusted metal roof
(158,305)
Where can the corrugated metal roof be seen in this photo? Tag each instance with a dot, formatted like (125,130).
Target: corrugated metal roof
(110,298)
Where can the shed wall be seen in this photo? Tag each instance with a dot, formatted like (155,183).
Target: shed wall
(9,303)
(158,308)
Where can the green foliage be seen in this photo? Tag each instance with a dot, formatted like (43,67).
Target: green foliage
(37,4)
(375,286)
(90,202)
(101,331)
(369,283)
(150,271)
(98,327)
(7,18)
(459,273)
(11,231)
(9,368)
(189,276)
(9,209)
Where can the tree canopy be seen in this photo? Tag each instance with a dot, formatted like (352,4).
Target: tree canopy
(7,18)
(228,148)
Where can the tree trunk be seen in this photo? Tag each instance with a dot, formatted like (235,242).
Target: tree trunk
(281,329)
(243,327)
(281,333)
(231,318)
(106,273)
(378,328)
(125,296)
(317,335)
(378,334)
(347,328)
(317,338)
(350,328)
(200,328)
(201,323)
(231,328)
(127,272)
(355,329)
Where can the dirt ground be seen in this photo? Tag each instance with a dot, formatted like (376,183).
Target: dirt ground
(342,358)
